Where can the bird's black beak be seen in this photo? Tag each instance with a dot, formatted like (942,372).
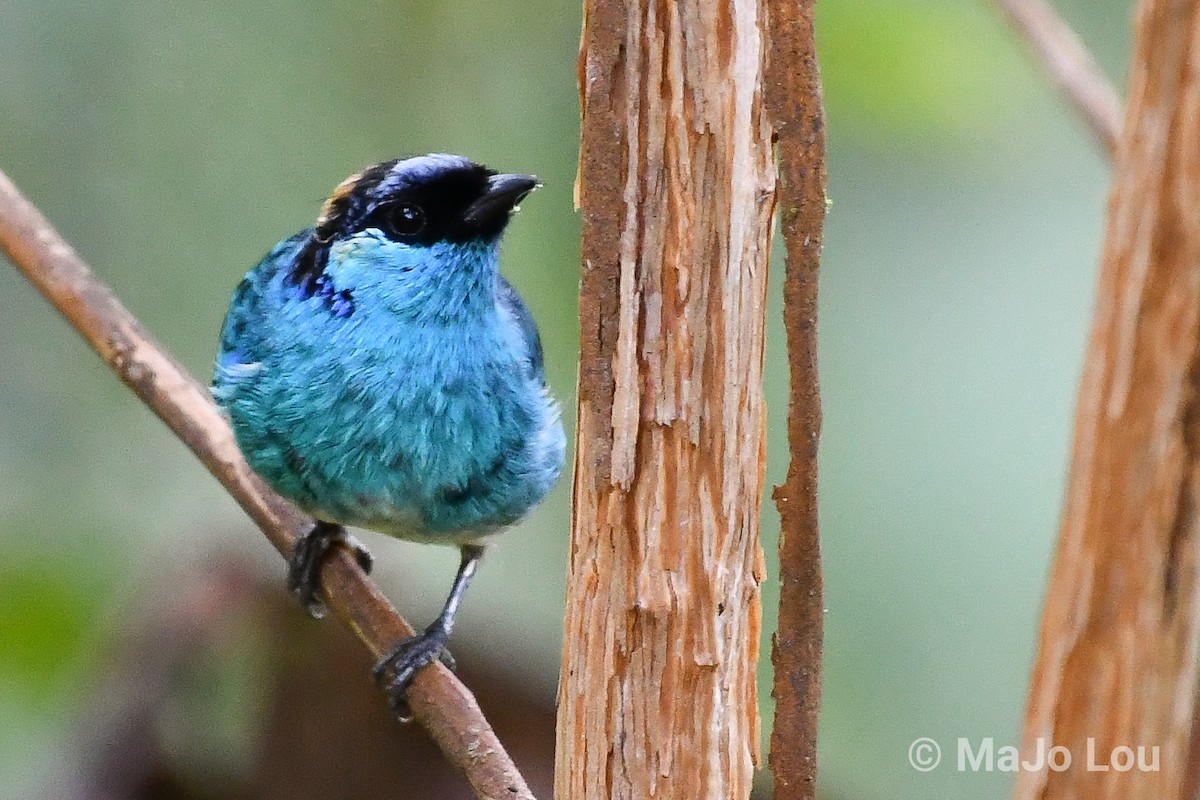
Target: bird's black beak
(489,214)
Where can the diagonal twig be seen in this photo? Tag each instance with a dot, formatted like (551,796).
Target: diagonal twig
(440,702)
(1070,66)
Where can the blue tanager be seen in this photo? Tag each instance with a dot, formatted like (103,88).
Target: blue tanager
(380,372)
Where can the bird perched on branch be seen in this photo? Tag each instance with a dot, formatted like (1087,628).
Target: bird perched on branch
(380,372)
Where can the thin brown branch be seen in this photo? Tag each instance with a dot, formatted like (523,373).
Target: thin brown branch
(1069,66)
(438,700)
(795,103)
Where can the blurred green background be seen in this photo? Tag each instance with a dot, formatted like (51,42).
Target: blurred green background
(172,144)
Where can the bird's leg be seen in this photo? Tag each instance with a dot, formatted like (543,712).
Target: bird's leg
(396,670)
(304,567)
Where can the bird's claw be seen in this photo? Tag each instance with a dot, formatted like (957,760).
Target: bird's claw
(361,554)
(396,670)
(304,566)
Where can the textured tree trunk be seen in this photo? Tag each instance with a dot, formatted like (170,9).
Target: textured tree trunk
(1117,660)
(676,180)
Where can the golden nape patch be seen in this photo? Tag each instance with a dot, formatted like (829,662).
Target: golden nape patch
(333,206)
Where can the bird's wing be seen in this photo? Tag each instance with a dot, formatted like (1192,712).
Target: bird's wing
(511,303)
(239,353)
(234,360)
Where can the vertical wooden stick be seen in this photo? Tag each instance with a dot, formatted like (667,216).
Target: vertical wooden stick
(676,182)
(1117,658)
(794,100)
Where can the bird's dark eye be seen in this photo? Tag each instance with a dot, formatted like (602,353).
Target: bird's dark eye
(406,220)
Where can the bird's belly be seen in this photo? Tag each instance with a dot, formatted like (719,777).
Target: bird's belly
(448,465)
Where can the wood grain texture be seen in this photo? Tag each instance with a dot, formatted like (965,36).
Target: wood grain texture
(1117,654)
(795,102)
(657,695)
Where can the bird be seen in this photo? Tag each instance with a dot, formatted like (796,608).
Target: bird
(379,372)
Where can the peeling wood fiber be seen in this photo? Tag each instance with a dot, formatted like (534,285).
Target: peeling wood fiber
(676,181)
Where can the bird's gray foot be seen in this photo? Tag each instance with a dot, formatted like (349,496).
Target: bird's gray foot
(396,670)
(304,567)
